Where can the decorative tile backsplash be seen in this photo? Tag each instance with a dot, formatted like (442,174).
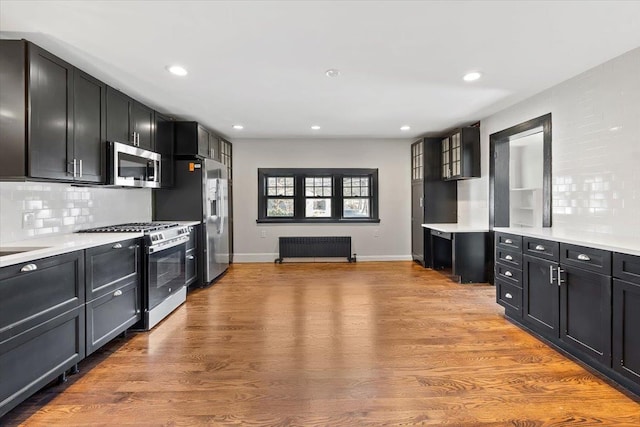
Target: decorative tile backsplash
(33,209)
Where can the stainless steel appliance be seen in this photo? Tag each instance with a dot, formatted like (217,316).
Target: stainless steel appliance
(201,193)
(164,266)
(132,166)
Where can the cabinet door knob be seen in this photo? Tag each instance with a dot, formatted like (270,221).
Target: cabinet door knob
(508,273)
(117,293)
(508,295)
(508,257)
(191,257)
(508,241)
(539,248)
(29,267)
(117,246)
(584,257)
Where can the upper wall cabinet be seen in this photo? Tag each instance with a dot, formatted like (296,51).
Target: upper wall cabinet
(129,121)
(192,139)
(460,153)
(53,121)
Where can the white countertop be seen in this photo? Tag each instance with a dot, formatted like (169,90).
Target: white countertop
(608,242)
(457,228)
(58,244)
(63,243)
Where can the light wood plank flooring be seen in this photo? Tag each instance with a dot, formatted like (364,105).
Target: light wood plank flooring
(332,344)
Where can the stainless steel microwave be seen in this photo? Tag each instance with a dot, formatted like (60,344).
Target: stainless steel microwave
(132,166)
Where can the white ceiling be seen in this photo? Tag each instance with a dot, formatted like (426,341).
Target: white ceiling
(262,64)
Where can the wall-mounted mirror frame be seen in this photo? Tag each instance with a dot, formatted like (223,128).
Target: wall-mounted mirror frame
(499,191)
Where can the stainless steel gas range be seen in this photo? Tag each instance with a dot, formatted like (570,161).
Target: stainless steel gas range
(164,266)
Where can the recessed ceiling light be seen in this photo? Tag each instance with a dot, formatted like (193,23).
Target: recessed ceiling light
(315,127)
(332,72)
(405,127)
(238,127)
(472,76)
(177,70)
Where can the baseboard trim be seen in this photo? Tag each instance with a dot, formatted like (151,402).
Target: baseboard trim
(270,257)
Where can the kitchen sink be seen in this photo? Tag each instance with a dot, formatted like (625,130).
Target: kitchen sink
(13,251)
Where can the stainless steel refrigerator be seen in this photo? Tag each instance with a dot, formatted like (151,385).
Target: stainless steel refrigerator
(200,193)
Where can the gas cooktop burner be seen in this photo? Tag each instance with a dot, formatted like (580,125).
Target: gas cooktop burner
(131,227)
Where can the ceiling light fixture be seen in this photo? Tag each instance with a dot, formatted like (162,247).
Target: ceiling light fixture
(332,72)
(177,70)
(238,127)
(405,128)
(315,127)
(472,76)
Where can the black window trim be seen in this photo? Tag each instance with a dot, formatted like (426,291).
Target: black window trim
(299,199)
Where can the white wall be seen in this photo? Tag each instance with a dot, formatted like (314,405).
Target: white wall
(388,240)
(595,149)
(62,208)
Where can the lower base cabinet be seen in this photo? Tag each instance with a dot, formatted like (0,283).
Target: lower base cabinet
(42,324)
(575,298)
(626,329)
(110,315)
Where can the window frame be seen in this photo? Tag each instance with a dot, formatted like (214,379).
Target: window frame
(337,198)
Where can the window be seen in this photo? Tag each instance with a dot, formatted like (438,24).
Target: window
(317,195)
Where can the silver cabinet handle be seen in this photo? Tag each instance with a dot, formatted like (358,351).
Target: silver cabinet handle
(117,293)
(80,168)
(560,280)
(73,163)
(508,273)
(508,295)
(539,248)
(132,247)
(191,257)
(583,257)
(133,138)
(508,257)
(508,241)
(551,274)
(117,246)
(29,267)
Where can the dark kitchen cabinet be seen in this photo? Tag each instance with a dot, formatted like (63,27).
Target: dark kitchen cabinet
(626,330)
(41,324)
(129,121)
(55,129)
(89,128)
(191,263)
(193,139)
(432,200)
(113,281)
(585,312)
(460,154)
(226,158)
(164,137)
(581,299)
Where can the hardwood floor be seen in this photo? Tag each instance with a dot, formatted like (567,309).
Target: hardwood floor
(332,344)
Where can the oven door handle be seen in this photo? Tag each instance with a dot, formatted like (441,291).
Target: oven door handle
(167,245)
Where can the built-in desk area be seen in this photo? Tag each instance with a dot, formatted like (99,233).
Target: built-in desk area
(461,249)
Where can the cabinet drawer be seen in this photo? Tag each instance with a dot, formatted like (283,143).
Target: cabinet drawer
(588,258)
(508,257)
(541,248)
(441,234)
(626,267)
(35,357)
(111,315)
(108,267)
(34,292)
(508,295)
(509,241)
(509,274)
